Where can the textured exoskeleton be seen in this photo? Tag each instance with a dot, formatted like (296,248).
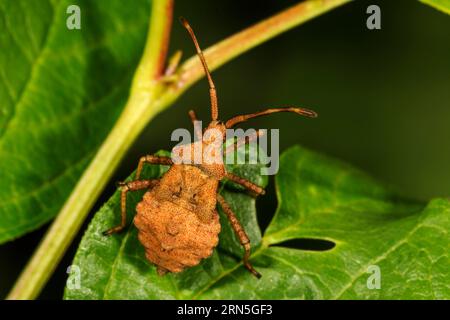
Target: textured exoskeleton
(177,218)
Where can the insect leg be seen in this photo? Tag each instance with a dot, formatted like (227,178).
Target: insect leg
(240,232)
(197,129)
(152,160)
(129,186)
(250,186)
(243,141)
(241,118)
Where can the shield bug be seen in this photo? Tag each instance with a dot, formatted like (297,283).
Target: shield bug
(177,218)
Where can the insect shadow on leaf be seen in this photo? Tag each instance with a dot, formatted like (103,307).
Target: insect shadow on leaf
(177,220)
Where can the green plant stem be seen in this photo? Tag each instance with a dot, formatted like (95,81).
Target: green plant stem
(439,5)
(149,95)
(249,38)
(132,120)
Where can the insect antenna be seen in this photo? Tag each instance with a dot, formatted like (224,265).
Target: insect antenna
(212,88)
(241,118)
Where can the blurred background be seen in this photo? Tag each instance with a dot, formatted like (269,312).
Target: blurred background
(383,97)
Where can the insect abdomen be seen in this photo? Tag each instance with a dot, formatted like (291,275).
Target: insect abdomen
(174,237)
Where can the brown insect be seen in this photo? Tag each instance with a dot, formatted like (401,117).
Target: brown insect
(177,218)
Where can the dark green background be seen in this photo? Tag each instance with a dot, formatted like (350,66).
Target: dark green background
(383,97)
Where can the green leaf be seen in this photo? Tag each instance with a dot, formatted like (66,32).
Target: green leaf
(442,5)
(110,264)
(322,198)
(319,198)
(61,92)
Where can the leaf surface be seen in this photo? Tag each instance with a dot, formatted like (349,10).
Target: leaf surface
(319,198)
(61,92)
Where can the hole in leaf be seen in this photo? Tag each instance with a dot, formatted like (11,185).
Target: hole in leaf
(307,244)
